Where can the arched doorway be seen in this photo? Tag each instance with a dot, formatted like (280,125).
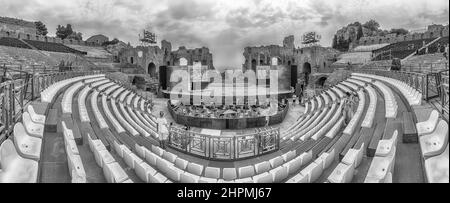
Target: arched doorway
(307,72)
(320,83)
(253,65)
(151,70)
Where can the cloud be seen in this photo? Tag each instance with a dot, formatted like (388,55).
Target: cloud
(225,26)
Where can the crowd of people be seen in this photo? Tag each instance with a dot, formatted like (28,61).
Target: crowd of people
(229,111)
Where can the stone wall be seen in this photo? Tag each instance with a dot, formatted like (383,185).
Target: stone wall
(433,31)
(29,36)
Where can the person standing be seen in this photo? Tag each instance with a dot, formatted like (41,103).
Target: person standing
(163,131)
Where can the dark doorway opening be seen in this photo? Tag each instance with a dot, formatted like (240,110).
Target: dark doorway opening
(151,70)
(253,65)
(163,77)
(320,83)
(294,78)
(307,72)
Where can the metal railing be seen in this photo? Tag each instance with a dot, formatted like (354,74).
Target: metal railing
(432,85)
(444,90)
(425,83)
(225,148)
(18,92)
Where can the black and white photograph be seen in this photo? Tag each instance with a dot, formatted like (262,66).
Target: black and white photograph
(237,95)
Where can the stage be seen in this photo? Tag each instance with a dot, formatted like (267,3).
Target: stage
(237,94)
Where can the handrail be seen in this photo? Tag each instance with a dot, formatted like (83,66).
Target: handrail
(17,94)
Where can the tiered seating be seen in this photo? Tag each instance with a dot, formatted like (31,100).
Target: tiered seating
(112,171)
(129,119)
(355,57)
(82,97)
(13,42)
(313,170)
(75,163)
(19,157)
(109,115)
(413,96)
(48,94)
(382,166)
(119,116)
(94,101)
(403,49)
(370,113)
(53,47)
(351,127)
(389,98)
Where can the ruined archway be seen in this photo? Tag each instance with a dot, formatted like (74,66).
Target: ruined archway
(254,63)
(320,83)
(151,69)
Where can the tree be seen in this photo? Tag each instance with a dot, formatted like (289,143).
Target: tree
(372,25)
(359,32)
(64,32)
(75,36)
(41,29)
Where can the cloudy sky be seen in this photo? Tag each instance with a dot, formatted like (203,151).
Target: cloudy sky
(225,26)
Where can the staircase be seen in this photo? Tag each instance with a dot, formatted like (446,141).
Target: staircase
(424,47)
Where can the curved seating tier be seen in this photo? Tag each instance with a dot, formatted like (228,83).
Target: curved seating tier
(370,113)
(350,129)
(75,163)
(389,98)
(48,94)
(413,96)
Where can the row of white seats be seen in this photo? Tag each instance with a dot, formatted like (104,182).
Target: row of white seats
(119,129)
(307,119)
(75,163)
(382,166)
(309,125)
(139,119)
(413,96)
(19,158)
(312,172)
(344,88)
(370,113)
(391,105)
(319,132)
(180,170)
(318,124)
(129,114)
(433,139)
(112,170)
(82,109)
(66,102)
(48,94)
(307,122)
(344,171)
